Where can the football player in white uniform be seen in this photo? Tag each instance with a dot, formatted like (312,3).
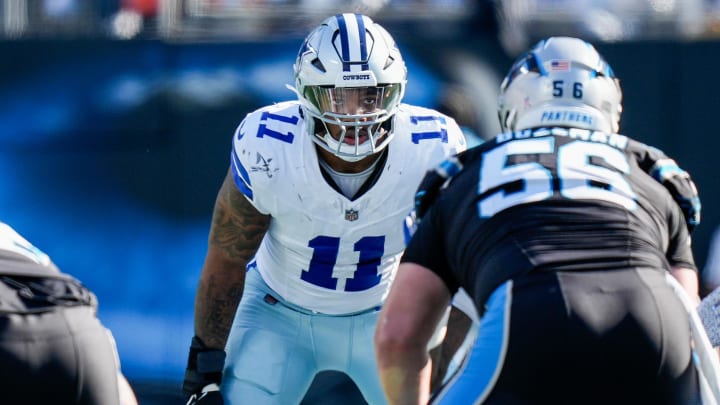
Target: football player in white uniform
(308,224)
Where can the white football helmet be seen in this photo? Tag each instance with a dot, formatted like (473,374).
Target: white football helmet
(562,81)
(349,73)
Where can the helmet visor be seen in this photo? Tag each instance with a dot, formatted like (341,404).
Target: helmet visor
(354,101)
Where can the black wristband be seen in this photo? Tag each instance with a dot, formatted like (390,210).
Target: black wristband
(204,367)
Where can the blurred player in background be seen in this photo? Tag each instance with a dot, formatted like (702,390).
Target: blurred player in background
(53,348)
(561,236)
(307,225)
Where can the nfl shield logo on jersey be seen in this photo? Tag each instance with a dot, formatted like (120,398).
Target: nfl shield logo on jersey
(351,215)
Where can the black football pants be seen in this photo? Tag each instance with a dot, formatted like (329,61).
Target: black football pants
(55,352)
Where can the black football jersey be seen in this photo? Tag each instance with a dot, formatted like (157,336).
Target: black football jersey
(550,199)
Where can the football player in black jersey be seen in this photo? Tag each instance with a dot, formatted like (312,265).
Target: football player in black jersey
(53,347)
(560,232)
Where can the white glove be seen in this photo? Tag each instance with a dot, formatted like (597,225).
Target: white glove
(210,395)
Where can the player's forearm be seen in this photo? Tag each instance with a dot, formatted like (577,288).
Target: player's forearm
(217,298)
(404,367)
(219,291)
(403,381)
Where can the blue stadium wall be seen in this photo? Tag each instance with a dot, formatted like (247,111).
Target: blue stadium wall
(111,154)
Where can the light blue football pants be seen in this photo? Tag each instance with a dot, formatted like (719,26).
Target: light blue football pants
(275,349)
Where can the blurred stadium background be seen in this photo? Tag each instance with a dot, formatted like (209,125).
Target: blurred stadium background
(116,118)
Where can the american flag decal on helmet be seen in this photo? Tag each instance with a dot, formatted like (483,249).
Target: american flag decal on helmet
(560,65)
(351,215)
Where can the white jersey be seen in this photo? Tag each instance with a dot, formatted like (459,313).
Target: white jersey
(323,251)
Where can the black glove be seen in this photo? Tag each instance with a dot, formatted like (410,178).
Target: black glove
(678,182)
(203,374)
(685,194)
(432,183)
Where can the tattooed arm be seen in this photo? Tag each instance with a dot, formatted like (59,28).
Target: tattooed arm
(235,235)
